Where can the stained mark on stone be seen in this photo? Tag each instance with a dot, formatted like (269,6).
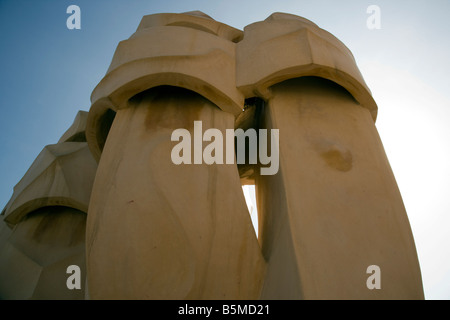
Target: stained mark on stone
(335,155)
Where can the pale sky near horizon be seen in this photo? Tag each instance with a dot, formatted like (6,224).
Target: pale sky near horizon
(48,73)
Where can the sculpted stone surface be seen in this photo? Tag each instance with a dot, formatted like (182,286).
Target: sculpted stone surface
(62,175)
(174,231)
(35,255)
(306,50)
(43,225)
(76,132)
(192,52)
(334,207)
(156,229)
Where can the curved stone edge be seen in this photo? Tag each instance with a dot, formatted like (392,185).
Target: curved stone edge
(95,135)
(195,56)
(16,215)
(199,61)
(192,19)
(308,51)
(353,86)
(77,129)
(45,182)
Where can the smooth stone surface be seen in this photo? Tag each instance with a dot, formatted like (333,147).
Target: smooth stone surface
(334,207)
(157,230)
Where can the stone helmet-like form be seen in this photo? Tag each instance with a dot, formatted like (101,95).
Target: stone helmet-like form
(157,229)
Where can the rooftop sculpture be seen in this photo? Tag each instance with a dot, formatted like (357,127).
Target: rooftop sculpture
(108,198)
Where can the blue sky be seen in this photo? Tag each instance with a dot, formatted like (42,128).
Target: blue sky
(48,73)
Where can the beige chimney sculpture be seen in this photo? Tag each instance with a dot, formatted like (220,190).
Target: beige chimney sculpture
(142,226)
